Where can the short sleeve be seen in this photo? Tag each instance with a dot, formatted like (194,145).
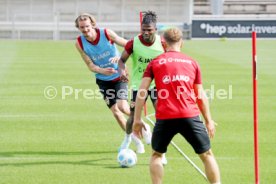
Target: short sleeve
(129,47)
(149,71)
(198,79)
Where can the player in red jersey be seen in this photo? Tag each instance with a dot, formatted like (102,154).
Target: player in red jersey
(180,100)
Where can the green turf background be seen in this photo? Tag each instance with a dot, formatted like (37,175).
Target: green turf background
(74,140)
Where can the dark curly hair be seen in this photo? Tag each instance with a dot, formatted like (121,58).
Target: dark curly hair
(149,17)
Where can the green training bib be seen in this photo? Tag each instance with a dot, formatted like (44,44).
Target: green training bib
(141,57)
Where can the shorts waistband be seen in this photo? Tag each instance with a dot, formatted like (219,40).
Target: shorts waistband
(116,79)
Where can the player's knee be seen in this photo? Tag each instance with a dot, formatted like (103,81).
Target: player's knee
(124,109)
(156,154)
(156,159)
(207,154)
(116,112)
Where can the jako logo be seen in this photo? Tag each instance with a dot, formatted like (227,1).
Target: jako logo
(166,79)
(181,78)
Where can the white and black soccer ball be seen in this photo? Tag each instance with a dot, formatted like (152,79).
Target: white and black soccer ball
(127,158)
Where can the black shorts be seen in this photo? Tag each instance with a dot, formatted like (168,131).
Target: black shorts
(192,129)
(152,93)
(113,90)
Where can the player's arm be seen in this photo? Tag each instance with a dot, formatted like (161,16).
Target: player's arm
(115,38)
(122,66)
(112,36)
(203,104)
(139,103)
(91,66)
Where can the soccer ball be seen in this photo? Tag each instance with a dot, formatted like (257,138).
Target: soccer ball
(127,158)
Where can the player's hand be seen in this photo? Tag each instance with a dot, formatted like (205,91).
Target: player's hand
(108,71)
(211,128)
(124,76)
(114,59)
(137,127)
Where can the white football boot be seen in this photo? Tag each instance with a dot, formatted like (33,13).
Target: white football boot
(126,142)
(138,143)
(147,134)
(164,159)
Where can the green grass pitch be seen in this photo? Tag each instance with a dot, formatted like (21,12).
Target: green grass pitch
(74,139)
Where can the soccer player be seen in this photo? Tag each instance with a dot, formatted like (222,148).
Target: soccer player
(142,48)
(97,49)
(181,99)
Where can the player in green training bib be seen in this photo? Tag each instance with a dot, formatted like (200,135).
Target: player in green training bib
(141,56)
(142,48)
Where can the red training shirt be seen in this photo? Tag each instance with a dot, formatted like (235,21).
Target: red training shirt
(175,74)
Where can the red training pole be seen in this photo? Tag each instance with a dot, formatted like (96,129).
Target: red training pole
(141,19)
(255,107)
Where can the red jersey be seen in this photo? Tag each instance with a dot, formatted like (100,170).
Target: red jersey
(175,74)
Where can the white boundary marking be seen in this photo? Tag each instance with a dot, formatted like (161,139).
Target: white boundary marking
(180,151)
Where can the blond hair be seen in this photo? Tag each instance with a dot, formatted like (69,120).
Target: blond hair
(172,35)
(85,16)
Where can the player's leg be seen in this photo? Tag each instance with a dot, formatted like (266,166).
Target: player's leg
(124,107)
(195,133)
(122,97)
(131,116)
(127,139)
(147,133)
(138,143)
(122,122)
(162,135)
(129,136)
(107,88)
(211,166)
(156,168)
(153,97)
(119,116)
